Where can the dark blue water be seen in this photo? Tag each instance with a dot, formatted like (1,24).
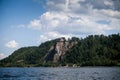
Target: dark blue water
(82,73)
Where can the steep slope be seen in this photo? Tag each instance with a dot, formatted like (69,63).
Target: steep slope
(57,50)
(50,51)
(97,50)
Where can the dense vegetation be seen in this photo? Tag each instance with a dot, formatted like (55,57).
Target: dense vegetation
(28,56)
(97,50)
(94,50)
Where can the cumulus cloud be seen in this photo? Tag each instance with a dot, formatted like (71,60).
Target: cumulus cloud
(11,44)
(52,35)
(108,3)
(76,17)
(2,56)
(35,24)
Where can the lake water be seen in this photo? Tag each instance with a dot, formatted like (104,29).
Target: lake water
(41,73)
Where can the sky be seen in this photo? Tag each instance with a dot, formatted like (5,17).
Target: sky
(31,22)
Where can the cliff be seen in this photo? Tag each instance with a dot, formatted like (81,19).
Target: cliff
(59,49)
(94,50)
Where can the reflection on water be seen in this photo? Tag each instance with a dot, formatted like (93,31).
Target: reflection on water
(41,73)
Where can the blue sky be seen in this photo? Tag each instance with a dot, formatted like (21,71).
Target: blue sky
(31,22)
(13,14)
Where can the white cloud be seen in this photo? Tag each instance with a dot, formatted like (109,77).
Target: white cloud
(43,38)
(108,3)
(11,44)
(2,56)
(52,35)
(48,21)
(65,23)
(109,13)
(76,17)
(35,24)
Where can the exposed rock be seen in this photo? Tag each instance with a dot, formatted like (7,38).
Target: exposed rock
(56,51)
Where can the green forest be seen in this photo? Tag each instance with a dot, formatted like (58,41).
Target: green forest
(94,50)
(97,50)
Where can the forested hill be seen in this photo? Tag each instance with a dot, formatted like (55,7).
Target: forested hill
(94,50)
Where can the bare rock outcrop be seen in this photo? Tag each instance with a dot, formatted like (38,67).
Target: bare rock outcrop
(56,51)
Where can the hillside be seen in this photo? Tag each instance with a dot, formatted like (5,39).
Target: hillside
(94,50)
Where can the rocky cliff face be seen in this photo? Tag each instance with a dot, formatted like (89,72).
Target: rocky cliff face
(56,51)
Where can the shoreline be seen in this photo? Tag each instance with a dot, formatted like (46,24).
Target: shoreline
(58,67)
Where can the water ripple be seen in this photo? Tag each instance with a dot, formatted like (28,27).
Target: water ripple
(84,73)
